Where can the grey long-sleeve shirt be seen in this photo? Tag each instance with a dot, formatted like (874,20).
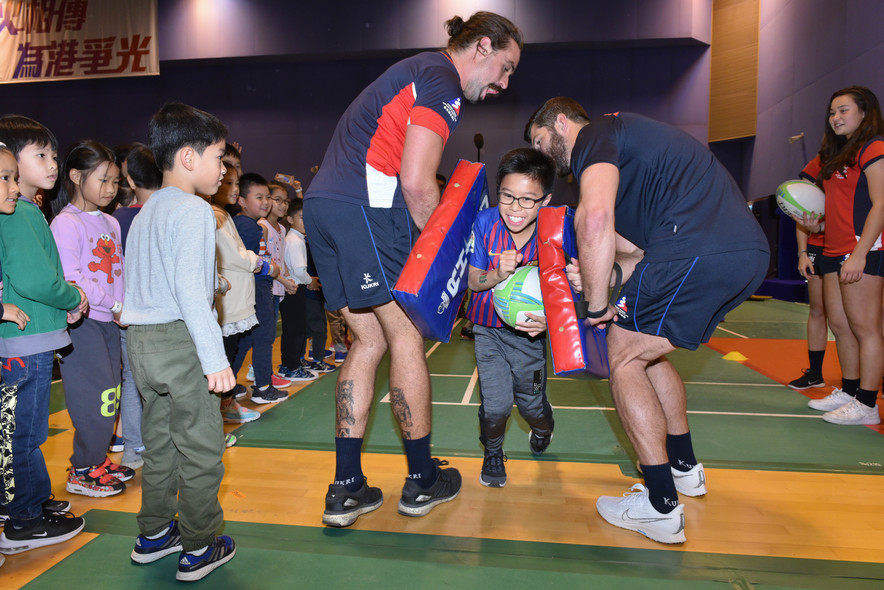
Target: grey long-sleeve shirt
(170,271)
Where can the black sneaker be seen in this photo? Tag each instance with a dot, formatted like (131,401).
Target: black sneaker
(196,567)
(417,501)
(342,508)
(538,443)
(50,506)
(493,469)
(149,550)
(54,528)
(809,379)
(271,395)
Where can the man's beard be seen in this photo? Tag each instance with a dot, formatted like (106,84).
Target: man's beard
(559,154)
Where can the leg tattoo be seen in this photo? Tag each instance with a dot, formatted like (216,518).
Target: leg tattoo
(345,415)
(401,411)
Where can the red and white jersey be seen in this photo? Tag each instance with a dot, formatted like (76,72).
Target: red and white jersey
(362,163)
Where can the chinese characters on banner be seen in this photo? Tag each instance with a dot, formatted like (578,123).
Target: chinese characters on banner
(70,39)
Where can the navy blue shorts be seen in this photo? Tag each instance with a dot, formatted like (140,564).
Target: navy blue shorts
(830,264)
(814,253)
(684,300)
(359,251)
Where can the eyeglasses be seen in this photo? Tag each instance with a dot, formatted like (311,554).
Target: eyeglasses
(506,198)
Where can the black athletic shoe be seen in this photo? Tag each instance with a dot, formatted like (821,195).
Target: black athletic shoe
(270,395)
(809,379)
(54,528)
(417,501)
(50,506)
(196,567)
(538,444)
(342,508)
(493,469)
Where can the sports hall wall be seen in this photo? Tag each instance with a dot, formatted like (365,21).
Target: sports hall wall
(807,50)
(280,73)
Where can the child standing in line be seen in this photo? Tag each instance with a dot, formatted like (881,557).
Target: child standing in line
(89,245)
(140,173)
(175,347)
(38,305)
(254,198)
(236,308)
(314,316)
(511,362)
(292,344)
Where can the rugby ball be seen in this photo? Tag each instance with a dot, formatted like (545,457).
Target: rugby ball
(796,197)
(519,294)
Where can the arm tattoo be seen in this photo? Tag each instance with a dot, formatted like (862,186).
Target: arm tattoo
(401,411)
(483,278)
(344,400)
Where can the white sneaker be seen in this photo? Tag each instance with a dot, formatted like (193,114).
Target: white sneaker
(634,512)
(853,412)
(690,483)
(833,401)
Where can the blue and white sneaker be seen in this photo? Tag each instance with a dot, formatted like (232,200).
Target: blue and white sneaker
(298,375)
(196,567)
(251,374)
(318,367)
(149,550)
(340,356)
(328,352)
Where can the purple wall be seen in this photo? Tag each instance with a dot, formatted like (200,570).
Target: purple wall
(807,50)
(283,109)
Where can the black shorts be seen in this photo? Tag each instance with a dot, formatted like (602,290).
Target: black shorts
(684,300)
(815,253)
(358,251)
(830,264)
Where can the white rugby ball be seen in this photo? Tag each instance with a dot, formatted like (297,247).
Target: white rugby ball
(796,197)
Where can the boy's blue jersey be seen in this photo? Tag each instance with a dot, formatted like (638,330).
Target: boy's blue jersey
(490,235)
(363,160)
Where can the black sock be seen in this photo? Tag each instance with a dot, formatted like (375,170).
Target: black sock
(866,397)
(661,487)
(849,386)
(348,466)
(420,464)
(680,451)
(816,360)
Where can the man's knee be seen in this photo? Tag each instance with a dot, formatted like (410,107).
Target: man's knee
(625,347)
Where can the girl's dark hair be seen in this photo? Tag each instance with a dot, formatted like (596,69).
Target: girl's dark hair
(482,24)
(838,152)
(86,156)
(530,162)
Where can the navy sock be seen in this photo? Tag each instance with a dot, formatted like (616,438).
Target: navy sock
(866,397)
(680,451)
(420,464)
(816,360)
(661,487)
(849,386)
(348,466)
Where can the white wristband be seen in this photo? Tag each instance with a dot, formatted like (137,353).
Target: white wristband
(118,307)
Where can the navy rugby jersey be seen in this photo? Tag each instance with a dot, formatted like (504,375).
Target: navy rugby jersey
(675,200)
(361,165)
(490,235)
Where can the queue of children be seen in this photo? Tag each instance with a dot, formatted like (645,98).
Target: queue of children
(155,362)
